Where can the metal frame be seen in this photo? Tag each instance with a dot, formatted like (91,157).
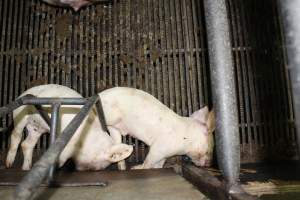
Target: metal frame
(46,164)
(290,12)
(223,92)
(53,131)
(45,167)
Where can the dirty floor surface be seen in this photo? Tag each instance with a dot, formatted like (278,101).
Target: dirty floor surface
(132,185)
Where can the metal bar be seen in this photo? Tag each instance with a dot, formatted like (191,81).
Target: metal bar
(10,107)
(30,100)
(290,11)
(180,71)
(224,95)
(41,111)
(55,184)
(101,115)
(34,178)
(43,114)
(210,185)
(53,133)
(49,101)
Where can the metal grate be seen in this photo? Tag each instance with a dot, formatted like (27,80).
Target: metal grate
(155,45)
(264,98)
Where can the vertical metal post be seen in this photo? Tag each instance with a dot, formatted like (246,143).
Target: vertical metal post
(290,12)
(53,132)
(223,91)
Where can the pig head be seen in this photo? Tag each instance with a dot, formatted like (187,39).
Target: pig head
(133,112)
(90,147)
(206,119)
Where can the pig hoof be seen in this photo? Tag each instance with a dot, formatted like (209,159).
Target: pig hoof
(26,167)
(9,162)
(137,167)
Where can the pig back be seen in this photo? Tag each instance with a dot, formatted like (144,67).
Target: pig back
(141,114)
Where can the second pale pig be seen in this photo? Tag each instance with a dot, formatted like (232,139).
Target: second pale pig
(139,114)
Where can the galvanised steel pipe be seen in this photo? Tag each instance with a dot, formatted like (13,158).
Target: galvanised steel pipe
(41,111)
(32,100)
(290,12)
(43,114)
(223,91)
(49,101)
(53,133)
(10,107)
(37,174)
(101,115)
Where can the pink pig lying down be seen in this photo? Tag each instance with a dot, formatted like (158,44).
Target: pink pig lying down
(90,147)
(139,114)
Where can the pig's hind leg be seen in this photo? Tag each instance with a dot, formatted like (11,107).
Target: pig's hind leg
(154,159)
(159,164)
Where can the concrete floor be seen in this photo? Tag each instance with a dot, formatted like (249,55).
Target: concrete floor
(157,186)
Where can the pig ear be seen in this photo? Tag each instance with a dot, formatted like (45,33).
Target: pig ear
(201,115)
(118,152)
(211,121)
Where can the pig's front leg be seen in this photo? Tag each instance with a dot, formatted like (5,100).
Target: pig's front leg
(28,146)
(15,139)
(117,137)
(154,159)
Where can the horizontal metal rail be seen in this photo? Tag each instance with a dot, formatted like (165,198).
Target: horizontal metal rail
(38,102)
(32,100)
(50,101)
